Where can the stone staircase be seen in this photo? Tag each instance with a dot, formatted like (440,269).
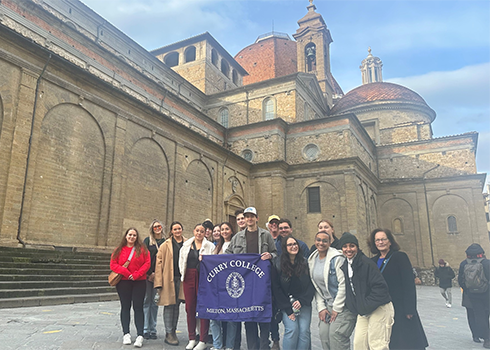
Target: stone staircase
(35,277)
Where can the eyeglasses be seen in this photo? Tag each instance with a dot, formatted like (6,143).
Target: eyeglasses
(380,240)
(157,226)
(324,241)
(291,244)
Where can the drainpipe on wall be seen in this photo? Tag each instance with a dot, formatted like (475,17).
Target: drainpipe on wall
(29,152)
(427,208)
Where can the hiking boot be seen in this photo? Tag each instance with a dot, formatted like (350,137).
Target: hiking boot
(153,336)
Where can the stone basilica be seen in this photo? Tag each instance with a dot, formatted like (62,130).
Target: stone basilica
(97,134)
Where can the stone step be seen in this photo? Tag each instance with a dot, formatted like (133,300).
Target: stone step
(35,277)
(33,292)
(7,251)
(59,266)
(51,260)
(54,270)
(52,284)
(58,300)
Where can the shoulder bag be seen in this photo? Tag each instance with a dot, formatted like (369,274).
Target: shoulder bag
(115,277)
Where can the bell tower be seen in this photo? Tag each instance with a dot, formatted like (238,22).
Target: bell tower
(313,49)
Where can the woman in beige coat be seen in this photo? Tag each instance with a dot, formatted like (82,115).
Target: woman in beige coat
(167,280)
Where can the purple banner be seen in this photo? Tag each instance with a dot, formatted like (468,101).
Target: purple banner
(235,287)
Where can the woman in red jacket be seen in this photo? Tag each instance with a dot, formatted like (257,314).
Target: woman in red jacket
(132,287)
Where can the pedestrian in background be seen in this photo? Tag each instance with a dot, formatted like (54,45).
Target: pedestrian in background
(473,277)
(445,274)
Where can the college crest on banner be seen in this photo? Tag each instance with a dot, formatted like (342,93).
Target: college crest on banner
(235,287)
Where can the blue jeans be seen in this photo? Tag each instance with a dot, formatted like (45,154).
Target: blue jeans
(231,331)
(150,309)
(215,327)
(297,333)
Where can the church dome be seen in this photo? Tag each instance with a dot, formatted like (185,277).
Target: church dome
(377,94)
(272,55)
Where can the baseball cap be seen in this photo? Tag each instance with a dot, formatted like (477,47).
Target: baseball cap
(273,217)
(250,210)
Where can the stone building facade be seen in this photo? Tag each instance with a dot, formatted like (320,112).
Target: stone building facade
(97,135)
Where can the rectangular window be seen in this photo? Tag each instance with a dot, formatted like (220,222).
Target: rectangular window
(314,200)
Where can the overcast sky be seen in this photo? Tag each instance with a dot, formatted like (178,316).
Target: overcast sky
(440,49)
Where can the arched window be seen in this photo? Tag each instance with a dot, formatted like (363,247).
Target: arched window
(172,59)
(234,75)
(214,57)
(397,226)
(310,57)
(452,226)
(225,68)
(268,109)
(223,117)
(190,54)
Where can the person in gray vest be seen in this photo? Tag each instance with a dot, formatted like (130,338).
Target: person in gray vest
(336,321)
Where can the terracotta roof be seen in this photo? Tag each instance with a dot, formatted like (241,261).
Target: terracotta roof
(376,92)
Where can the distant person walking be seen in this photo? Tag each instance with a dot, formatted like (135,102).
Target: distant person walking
(132,287)
(445,274)
(473,277)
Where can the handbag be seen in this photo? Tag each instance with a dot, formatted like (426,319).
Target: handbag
(115,277)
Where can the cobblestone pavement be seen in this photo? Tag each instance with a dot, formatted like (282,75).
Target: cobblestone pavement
(97,326)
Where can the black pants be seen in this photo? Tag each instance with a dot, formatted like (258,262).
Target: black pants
(481,324)
(132,292)
(252,333)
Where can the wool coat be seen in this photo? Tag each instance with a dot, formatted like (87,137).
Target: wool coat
(398,274)
(164,274)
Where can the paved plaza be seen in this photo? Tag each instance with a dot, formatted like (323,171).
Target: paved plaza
(97,326)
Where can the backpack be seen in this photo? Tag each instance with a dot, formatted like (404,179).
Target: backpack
(474,276)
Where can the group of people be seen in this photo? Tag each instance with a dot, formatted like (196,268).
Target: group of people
(375,296)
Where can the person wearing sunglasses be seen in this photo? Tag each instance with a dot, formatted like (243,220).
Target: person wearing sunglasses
(150,308)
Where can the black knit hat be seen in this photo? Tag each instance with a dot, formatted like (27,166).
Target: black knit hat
(348,237)
(474,250)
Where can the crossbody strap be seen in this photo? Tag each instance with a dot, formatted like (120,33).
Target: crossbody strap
(126,264)
(384,264)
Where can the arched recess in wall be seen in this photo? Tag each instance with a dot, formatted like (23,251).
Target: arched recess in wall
(68,178)
(214,57)
(330,208)
(171,59)
(310,57)
(146,185)
(398,208)
(190,54)
(194,196)
(445,241)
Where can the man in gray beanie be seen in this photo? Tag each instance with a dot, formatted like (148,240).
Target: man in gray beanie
(474,275)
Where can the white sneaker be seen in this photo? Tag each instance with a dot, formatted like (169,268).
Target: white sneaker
(191,345)
(448,305)
(201,346)
(138,343)
(127,339)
